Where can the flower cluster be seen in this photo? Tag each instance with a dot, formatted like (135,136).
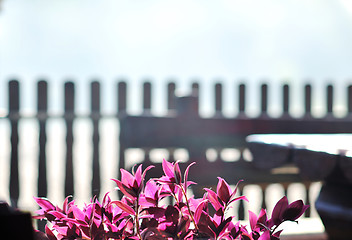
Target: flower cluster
(141,215)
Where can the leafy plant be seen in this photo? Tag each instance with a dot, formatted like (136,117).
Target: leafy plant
(140,214)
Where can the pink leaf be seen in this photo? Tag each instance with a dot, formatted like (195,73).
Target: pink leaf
(124,207)
(252,220)
(44,203)
(57,214)
(235,190)
(223,190)
(138,175)
(294,210)
(78,214)
(199,210)
(177,173)
(126,177)
(49,233)
(213,198)
(278,210)
(106,199)
(150,189)
(239,198)
(262,218)
(66,204)
(185,177)
(126,190)
(168,168)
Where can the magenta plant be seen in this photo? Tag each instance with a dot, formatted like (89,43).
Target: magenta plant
(140,215)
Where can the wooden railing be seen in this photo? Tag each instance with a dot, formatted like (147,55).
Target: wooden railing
(180,128)
(184,128)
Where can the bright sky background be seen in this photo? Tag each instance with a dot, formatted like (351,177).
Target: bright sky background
(284,41)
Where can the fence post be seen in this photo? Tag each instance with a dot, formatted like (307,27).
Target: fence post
(330,99)
(42,107)
(264,99)
(171,105)
(121,97)
(69,117)
(121,110)
(242,99)
(218,99)
(286,100)
(14,107)
(147,98)
(241,210)
(95,116)
(42,116)
(308,99)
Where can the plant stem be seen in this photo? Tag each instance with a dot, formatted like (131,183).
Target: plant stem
(175,197)
(137,220)
(189,208)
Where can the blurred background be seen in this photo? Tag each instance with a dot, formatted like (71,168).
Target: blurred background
(228,41)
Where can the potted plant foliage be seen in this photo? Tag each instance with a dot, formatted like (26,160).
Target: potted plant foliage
(140,214)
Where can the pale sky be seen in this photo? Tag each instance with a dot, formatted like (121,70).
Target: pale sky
(289,40)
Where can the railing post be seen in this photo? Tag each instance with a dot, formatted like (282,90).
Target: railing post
(263,188)
(286,100)
(121,111)
(218,99)
(147,97)
(95,116)
(69,117)
(14,107)
(121,97)
(42,116)
(242,99)
(241,214)
(264,99)
(42,107)
(330,99)
(308,99)
(171,105)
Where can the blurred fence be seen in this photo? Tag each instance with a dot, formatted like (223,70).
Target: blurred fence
(204,140)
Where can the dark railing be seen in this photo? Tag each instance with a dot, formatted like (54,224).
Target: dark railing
(181,127)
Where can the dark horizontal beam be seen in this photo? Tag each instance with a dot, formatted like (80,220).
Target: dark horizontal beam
(162,132)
